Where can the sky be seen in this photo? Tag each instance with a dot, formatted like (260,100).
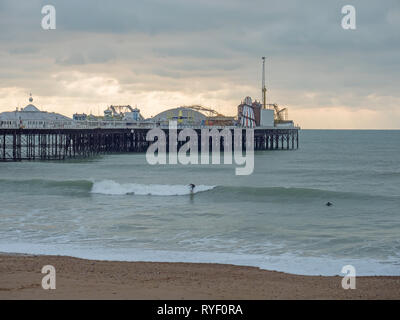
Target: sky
(160,54)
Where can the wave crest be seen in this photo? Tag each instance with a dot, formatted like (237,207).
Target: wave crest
(110,187)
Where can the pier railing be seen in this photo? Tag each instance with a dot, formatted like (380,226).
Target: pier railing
(112,124)
(109,124)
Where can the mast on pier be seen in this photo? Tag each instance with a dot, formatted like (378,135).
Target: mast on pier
(264,89)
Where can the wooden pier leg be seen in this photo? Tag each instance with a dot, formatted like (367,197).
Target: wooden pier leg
(270,142)
(292,136)
(287,141)
(4,146)
(265,141)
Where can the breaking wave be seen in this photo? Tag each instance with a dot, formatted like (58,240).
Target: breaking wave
(111,187)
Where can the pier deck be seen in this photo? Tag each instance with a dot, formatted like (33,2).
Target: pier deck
(18,144)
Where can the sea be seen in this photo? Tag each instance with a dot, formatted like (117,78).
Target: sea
(119,207)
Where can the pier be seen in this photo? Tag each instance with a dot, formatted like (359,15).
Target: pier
(84,141)
(32,134)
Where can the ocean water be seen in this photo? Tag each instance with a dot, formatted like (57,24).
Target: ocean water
(118,207)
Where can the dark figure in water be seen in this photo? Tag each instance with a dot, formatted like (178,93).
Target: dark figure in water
(329,204)
(191,186)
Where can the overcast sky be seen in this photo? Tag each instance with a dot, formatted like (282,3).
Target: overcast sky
(167,53)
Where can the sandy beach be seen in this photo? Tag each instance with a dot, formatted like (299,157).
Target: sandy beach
(21,277)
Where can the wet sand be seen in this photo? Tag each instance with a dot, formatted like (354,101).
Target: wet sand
(21,278)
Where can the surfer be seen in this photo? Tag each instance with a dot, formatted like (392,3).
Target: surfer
(192,186)
(328,204)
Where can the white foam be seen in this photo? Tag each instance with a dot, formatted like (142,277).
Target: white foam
(289,263)
(111,187)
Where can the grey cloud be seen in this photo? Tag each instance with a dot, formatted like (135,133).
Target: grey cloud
(23,50)
(99,56)
(160,45)
(73,59)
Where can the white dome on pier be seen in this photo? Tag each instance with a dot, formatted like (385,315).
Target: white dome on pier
(32,113)
(30,108)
